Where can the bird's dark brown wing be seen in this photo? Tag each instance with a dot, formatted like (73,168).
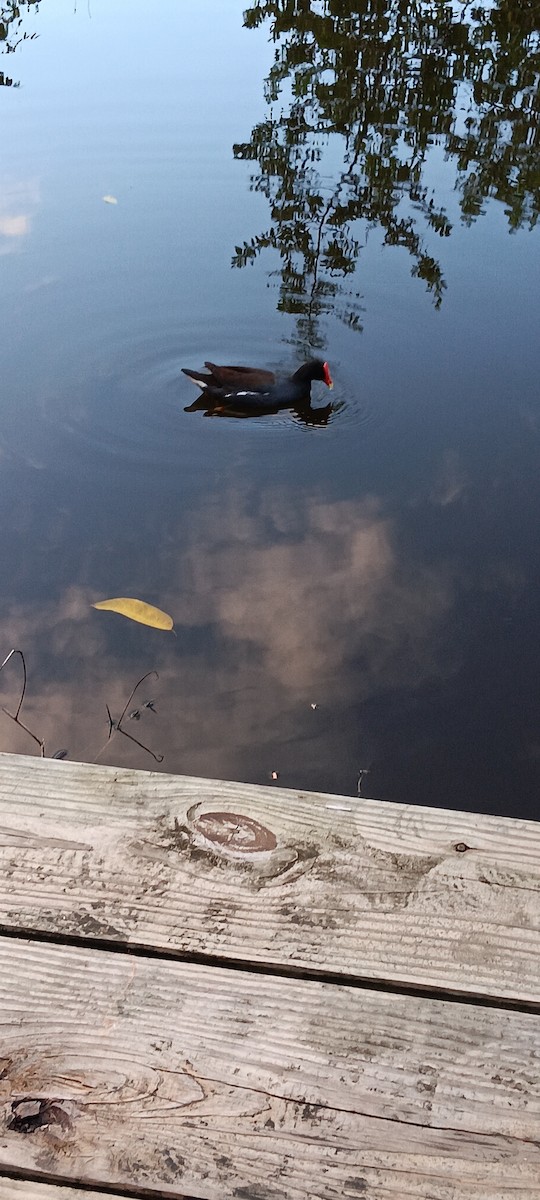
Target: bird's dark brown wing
(239,377)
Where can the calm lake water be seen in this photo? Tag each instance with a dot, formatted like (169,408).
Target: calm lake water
(356,589)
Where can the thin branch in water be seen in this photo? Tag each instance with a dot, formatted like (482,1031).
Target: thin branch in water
(116,726)
(113,725)
(6,660)
(157,757)
(15,716)
(128,702)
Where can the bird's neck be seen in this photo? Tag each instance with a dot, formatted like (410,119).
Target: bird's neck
(304,373)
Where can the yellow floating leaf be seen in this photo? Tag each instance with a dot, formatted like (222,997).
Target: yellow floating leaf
(110,200)
(137,610)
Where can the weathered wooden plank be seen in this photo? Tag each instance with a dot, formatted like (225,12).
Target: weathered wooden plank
(183,1079)
(416,896)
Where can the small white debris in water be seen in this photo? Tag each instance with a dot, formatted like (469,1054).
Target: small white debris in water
(339,807)
(110,199)
(314,706)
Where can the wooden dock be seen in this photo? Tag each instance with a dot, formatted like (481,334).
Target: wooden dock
(211,990)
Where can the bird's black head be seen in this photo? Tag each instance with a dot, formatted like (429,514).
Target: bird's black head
(316,368)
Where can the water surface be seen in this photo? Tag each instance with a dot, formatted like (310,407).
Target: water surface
(357,591)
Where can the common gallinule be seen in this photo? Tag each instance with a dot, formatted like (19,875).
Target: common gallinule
(248,389)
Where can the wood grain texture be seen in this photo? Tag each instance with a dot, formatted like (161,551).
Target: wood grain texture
(211,1083)
(416,896)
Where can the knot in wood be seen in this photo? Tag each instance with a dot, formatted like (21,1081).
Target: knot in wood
(235,831)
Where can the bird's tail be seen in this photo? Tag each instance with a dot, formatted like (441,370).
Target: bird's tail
(197,377)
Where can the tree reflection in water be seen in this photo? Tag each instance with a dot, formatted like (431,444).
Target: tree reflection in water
(11,31)
(374,86)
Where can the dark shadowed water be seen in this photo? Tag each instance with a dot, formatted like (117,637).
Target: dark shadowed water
(352,588)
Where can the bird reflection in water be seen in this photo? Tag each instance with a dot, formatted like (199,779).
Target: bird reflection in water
(304,413)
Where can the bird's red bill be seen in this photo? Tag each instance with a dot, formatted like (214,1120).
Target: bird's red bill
(327,376)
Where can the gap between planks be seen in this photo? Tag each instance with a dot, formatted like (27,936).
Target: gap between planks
(277,972)
(18,1187)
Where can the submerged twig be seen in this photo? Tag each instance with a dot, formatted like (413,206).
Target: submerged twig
(157,757)
(130,698)
(113,725)
(362,772)
(116,726)
(15,716)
